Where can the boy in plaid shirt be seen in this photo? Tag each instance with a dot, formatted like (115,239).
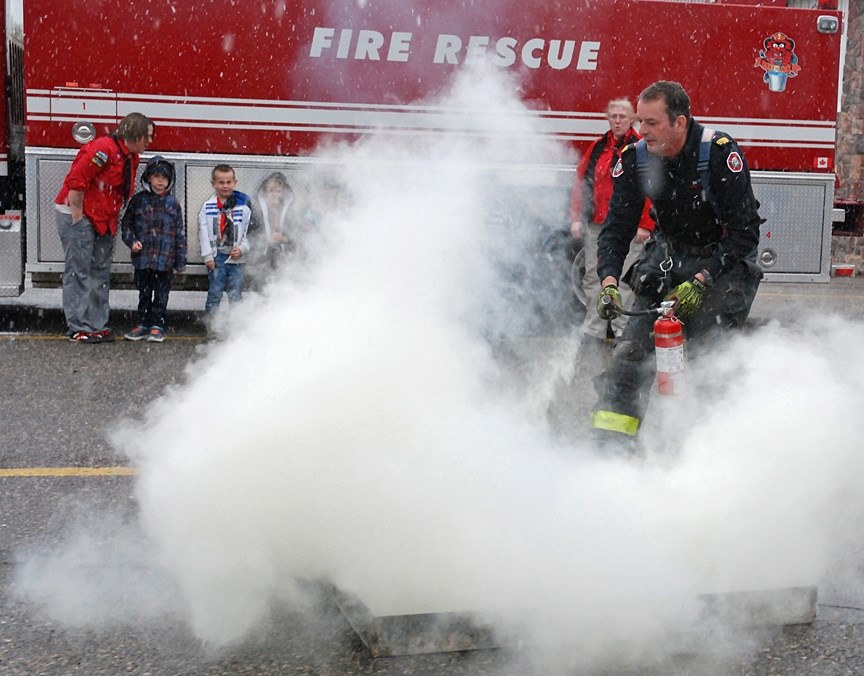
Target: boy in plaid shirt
(153,228)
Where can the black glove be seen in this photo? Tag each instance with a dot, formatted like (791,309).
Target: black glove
(687,297)
(609,302)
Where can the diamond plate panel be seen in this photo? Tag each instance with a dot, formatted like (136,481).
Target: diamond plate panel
(11,263)
(795,242)
(50,175)
(795,239)
(46,171)
(249,179)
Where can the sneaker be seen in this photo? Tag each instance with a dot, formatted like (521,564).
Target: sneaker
(85,337)
(106,335)
(157,335)
(138,333)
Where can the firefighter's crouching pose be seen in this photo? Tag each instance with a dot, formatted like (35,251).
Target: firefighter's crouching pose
(702,253)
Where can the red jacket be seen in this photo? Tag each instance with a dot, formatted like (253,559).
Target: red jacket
(602,175)
(97,170)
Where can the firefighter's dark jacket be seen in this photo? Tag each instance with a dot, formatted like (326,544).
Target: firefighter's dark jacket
(684,217)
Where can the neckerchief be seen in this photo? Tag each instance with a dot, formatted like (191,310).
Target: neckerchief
(226,221)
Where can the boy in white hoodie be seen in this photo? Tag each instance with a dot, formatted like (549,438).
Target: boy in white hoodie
(223,228)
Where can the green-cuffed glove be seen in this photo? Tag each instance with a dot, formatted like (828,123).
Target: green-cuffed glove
(609,302)
(687,297)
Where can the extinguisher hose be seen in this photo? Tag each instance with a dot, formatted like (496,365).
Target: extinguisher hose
(606,300)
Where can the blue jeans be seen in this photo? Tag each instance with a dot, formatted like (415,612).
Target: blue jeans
(226,278)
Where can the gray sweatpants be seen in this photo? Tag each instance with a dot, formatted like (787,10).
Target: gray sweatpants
(87,274)
(593,325)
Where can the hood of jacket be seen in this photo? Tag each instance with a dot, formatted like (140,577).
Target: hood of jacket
(158,164)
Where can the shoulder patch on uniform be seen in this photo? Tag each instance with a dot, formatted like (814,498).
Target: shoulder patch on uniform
(722,140)
(734,162)
(618,170)
(100,159)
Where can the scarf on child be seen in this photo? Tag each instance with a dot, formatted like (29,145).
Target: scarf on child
(226,222)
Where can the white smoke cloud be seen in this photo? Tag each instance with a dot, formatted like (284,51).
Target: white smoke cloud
(354,425)
(345,429)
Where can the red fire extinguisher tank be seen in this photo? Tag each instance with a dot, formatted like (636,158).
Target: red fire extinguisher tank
(669,352)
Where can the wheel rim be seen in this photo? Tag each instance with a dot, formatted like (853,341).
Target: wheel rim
(577,273)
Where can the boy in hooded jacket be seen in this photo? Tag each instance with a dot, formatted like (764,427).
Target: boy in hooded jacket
(274,215)
(154,230)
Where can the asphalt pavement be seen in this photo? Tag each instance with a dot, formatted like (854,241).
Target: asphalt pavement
(57,403)
(39,311)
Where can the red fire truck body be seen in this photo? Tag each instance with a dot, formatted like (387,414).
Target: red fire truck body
(268,81)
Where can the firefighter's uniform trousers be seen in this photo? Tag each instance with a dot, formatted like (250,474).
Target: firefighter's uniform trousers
(625,386)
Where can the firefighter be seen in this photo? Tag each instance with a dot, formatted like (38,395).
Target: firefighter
(702,253)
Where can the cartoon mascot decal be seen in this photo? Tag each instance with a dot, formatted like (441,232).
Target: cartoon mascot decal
(779,61)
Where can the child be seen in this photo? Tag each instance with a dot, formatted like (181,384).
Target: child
(274,214)
(153,228)
(223,225)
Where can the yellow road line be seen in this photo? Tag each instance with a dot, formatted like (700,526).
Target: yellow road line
(29,336)
(67,471)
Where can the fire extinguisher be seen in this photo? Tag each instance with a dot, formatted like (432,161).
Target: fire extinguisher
(669,350)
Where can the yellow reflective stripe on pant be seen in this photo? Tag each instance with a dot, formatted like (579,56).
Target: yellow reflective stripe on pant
(615,422)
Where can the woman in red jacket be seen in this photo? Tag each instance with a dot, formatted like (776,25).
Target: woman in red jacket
(590,203)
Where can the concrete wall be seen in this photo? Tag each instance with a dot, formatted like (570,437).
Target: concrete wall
(850,123)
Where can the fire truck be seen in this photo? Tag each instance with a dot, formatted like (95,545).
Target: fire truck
(261,85)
